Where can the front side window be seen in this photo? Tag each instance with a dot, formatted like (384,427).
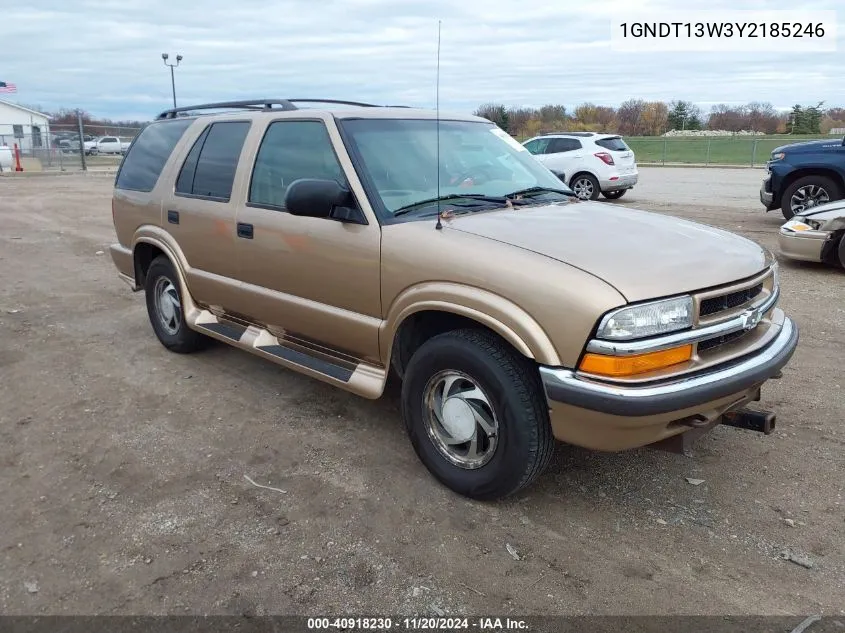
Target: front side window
(399,158)
(537,146)
(291,150)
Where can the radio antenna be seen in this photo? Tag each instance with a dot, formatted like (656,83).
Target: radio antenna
(439,225)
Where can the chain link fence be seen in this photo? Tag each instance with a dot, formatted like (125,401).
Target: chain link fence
(751,151)
(47,146)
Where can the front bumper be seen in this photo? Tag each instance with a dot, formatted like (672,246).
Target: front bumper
(802,245)
(623,181)
(566,386)
(766,195)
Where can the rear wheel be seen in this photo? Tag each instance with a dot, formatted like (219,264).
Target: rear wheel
(164,307)
(808,192)
(476,414)
(614,195)
(841,252)
(585,186)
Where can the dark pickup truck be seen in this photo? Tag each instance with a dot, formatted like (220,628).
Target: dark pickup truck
(800,176)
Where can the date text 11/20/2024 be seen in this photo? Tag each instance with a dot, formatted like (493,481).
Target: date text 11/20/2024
(417,624)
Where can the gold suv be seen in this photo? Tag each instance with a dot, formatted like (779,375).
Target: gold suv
(344,240)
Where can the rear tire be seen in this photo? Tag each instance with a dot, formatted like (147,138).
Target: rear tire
(490,435)
(164,307)
(841,251)
(585,186)
(614,195)
(819,189)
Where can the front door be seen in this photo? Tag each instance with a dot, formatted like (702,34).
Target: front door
(315,278)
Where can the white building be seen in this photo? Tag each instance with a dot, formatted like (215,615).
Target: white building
(28,128)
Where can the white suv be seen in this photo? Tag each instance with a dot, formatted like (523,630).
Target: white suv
(588,162)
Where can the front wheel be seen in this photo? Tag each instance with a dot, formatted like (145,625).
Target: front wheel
(807,193)
(476,414)
(585,186)
(614,195)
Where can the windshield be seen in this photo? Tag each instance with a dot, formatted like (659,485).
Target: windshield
(399,157)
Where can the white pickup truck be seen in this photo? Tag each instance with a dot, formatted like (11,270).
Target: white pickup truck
(106,145)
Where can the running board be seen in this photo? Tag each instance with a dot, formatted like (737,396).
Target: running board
(355,376)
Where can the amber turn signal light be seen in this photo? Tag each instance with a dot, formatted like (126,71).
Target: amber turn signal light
(620,366)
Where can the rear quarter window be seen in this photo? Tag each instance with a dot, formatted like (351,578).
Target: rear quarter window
(615,144)
(143,163)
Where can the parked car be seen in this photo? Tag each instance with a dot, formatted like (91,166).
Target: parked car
(801,176)
(588,162)
(347,241)
(816,234)
(106,145)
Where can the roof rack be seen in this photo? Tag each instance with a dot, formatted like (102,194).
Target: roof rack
(261,104)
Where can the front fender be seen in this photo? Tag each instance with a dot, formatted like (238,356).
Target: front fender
(494,311)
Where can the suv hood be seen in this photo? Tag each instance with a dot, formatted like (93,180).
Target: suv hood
(643,255)
(806,147)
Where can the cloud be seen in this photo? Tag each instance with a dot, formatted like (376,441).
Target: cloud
(105,55)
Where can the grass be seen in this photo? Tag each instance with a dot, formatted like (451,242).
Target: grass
(718,150)
(714,150)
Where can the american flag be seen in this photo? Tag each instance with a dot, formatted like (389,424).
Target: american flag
(7,87)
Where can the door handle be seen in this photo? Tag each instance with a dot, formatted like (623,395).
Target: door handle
(245,230)
(173,217)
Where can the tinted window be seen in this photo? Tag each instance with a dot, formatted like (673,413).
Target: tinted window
(564,145)
(143,164)
(614,143)
(291,150)
(185,182)
(218,160)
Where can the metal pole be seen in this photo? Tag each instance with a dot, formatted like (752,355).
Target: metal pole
(708,151)
(754,152)
(81,140)
(664,149)
(173,85)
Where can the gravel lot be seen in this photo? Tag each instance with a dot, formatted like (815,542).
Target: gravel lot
(126,465)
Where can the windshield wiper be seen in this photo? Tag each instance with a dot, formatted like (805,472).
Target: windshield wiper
(475,199)
(538,190)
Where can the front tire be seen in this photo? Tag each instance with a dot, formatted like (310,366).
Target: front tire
(585,186)
(164,307)
(808,192)
(614,195)
(476,414)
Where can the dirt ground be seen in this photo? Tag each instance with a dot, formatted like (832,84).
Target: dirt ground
(125,466)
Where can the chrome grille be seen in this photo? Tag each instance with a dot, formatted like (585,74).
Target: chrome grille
(729,301)
(710,343)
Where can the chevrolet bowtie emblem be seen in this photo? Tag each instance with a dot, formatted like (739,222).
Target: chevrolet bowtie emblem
(750,319)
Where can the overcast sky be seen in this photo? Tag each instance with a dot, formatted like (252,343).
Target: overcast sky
(105,55)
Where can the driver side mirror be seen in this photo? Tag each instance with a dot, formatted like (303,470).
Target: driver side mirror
(318,198)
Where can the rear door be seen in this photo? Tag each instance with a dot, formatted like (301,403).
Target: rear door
(622,155)
(199,211)
(564,156)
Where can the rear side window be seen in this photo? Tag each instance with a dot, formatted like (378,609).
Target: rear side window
(563,145)
(209,169)
(143,164)
(613,143)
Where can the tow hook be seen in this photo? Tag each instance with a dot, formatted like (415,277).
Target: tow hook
(751,420)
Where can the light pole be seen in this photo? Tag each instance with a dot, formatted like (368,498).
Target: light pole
(164,57)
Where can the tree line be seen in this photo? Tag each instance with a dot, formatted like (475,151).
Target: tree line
(637,117)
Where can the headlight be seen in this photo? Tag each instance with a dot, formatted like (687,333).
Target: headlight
(647,319)
(800,225)
(778,156)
